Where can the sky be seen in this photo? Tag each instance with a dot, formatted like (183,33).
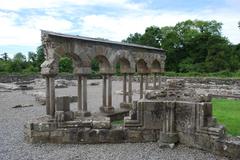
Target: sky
(21,20)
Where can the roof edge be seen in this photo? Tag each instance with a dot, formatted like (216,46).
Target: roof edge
(99,40)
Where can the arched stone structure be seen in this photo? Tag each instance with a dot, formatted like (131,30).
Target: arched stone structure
(127,67)
(156,66)
(82,51)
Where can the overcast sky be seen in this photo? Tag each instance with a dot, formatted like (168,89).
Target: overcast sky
(21,20)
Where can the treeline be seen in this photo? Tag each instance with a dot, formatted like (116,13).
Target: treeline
(20,64)
(192,46)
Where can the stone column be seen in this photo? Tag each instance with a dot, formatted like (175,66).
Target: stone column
(130,88)
(109,91)
(159,82)
(52,95)
(79,93)
(154,81)
(82,96)
(124,88)
(172,119)
(47,96)
(84,93)
(146,82)
(104,93)
(141,86)
(168,134)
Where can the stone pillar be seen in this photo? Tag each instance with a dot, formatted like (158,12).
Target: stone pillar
(104,93)
(109,91)
(154,81)
(141,86)
(159,82)
(146,82)
(172,120)
(84,93)
(124,88)
(107,108)
(47,96)
(79,93)
(130,88)
(82,96)
(52,95)
(168,134)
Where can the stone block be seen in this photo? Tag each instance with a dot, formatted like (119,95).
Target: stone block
(153,114)
(116,135)
(185,117)
(168,138)
(63,103)
(70,135)
(59,116)
(82,114)
(101,124)
(134,136)
(68,116)
(126,106)
(91,136)
(149,136)
(106,109)
(104,135)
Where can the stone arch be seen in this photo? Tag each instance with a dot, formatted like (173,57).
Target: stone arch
(104,64)
(126,61)
(141,66)
(156,66)
(124,65)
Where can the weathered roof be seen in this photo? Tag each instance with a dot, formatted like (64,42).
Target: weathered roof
(99,40)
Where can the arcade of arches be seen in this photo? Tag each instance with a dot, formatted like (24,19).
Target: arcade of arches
(132,58)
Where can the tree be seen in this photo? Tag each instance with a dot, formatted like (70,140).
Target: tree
(19,57)
(40,57)
(190,45)
(65,65)
(18,63)
(133,38)
(152,37)
(32,57)
(4,56)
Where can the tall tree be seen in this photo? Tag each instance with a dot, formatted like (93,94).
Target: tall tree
(5,56)
(189,45)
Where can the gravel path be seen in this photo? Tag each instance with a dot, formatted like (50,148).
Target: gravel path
(12,145)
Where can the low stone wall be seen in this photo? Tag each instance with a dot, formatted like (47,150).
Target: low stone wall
(19,78)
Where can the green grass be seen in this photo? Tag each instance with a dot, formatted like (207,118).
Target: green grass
(227,113)
(117,122)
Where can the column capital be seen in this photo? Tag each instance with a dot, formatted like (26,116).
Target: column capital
(82,71)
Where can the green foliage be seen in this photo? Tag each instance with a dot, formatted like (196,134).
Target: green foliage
(65,65)
(95,66)
(192,46)
(227,113)
(20,64)
(117,122)
(4,57)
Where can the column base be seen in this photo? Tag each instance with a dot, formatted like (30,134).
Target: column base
(127,106)
(82,113)
(106,109)
(168,137)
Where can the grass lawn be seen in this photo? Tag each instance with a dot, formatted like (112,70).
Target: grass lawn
(227,113)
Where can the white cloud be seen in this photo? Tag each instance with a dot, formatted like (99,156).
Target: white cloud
(118,28)
(43,4)
(28,33)
(133,19)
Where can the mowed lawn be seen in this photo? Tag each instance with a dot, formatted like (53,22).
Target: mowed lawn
(227,113)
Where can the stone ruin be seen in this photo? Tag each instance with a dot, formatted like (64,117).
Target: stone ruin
(169,115)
